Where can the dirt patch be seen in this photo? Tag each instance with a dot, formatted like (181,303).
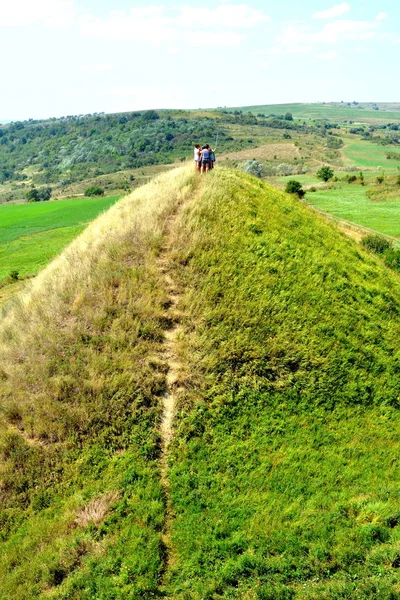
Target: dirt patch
(264,153)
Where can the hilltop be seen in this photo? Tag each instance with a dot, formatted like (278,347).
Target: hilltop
(273,339)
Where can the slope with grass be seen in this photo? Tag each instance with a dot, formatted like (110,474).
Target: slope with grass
(81,383)
(284,471)
(282,477)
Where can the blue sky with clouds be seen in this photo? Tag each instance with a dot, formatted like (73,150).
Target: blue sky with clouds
(62,57)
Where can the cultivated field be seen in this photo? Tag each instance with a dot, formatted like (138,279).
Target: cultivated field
(31,234)
(334,111)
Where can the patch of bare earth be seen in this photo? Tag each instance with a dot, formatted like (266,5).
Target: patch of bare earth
(174,378)
(267,152)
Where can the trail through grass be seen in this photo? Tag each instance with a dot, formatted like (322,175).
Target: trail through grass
(275,337)
(82,503)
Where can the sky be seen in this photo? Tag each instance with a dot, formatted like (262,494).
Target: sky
(67,57)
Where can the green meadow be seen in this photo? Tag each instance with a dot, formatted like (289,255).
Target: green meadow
(365,154)
(352,203)
(328,111)
(31,234)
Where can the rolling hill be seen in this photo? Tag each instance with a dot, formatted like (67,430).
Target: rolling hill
(199,400)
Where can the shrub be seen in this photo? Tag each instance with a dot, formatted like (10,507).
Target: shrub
(325,173)
(39,194)
(294,187)
(94,190)
(392,259)
(380,179)
(14,275)
(253,167)
(376,243)
(351,178)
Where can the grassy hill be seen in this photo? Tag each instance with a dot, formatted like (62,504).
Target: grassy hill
(281,480)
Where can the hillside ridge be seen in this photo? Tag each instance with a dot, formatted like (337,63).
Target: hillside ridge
(199,399)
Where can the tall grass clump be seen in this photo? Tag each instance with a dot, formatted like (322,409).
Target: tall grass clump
(81,505)
(284,469)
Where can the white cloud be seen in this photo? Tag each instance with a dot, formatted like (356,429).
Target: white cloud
(228,16)
(331,33)
(331,13)
(97,68)
(209,38)
(331,55)
(381,16)
(140,24)
(26,13)
(265,65)
(288,49)
(136,98)
(192,25)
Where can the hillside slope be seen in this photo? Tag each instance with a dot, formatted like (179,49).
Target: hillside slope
(282,477)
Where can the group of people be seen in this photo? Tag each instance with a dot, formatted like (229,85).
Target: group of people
(204,158)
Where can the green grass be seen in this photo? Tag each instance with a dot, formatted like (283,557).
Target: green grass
(325,111)
(284,473)
(283,470)
(32,234)
(365,154)
(17,220)
(81,379)
(352,203)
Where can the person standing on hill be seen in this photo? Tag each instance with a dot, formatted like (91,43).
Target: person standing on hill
(197,157)
(205,158)
(212,158)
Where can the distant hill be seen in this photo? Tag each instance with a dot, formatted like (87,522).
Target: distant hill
(365,112)
(62,152)
(275,336)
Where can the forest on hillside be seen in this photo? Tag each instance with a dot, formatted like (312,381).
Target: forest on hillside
(72,148)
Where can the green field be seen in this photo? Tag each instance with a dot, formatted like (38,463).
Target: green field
(31,234)
(365,154)
(352,203)
(327,111)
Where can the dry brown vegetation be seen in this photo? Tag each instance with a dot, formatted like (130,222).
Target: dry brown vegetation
(267,152)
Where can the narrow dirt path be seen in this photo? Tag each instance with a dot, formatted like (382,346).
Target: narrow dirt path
(170,358)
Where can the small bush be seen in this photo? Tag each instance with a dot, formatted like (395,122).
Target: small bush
(351,178)
(294,187)
(253,167)
(376,243)
(380,179)
(14,275)
(94,190)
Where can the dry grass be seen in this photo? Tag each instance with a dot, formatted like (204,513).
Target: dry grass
(67,279)
(48,360)
(267,152)
(96,510)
